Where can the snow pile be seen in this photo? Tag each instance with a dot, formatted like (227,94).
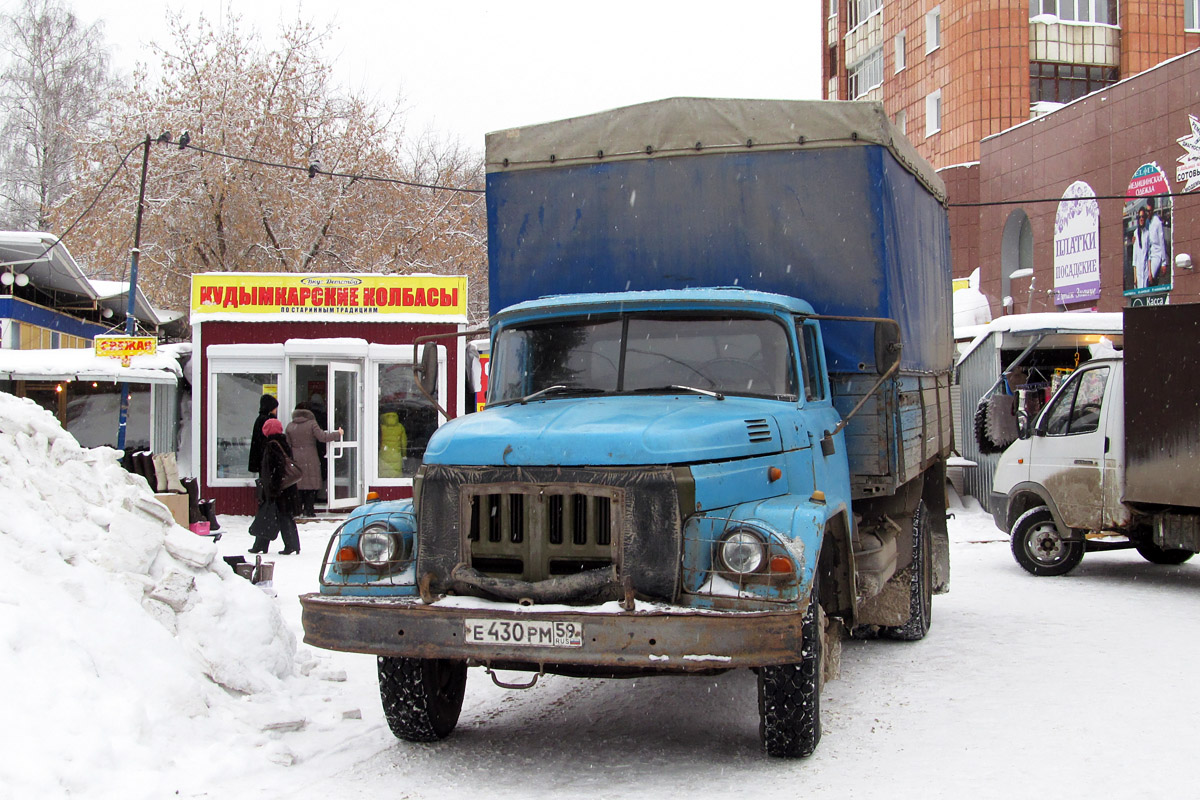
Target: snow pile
(122,635)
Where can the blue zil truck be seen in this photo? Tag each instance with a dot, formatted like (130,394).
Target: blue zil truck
(717,423)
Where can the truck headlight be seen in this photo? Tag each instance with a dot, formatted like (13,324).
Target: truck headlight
(741,551)
(380,546)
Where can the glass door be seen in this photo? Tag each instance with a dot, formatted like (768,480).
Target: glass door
(344,458)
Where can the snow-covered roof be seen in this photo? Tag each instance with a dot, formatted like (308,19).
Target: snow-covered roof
(84,365)
(1056,322)
(115,295)
(50,266)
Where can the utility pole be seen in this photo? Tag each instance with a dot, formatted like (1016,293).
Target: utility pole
(131,307)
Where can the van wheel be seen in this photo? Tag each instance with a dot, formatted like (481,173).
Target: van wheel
(1157,555)
(789,695)
(920,587)
(1040,548)
(422,697)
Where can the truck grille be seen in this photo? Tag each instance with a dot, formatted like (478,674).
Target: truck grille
(504,525)
(538,524)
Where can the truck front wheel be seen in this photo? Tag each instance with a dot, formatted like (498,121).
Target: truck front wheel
(1157,555)
(789,695)
(1040,548)
(422,697)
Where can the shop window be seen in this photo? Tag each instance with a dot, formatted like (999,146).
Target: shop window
(1101,11)
(94,413)
(233,407)
(1062,83)
(406,421)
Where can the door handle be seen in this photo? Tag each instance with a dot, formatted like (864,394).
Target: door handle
(1087,462)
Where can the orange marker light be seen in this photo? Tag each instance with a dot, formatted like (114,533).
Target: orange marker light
(774,474)
(347,554)
(781,564)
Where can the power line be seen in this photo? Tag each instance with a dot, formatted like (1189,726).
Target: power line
(315,169)
(1068,199)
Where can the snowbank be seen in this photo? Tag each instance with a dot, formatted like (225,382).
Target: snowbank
(124,640)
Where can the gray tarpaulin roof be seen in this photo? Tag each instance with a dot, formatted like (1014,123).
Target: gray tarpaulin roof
(692,125)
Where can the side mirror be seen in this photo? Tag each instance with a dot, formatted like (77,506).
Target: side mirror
(1024,426)
(427,369)
(887,345)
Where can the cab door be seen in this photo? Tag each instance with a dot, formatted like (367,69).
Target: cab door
(344,457)
(1068,452)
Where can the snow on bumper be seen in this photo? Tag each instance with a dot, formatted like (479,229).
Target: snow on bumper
(661,638)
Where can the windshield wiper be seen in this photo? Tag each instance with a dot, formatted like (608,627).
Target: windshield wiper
(558,388)
(680,388)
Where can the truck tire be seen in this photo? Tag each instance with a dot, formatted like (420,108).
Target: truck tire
(422,697)
(1157,555)
(789,695)
(920,588)
(1039,547)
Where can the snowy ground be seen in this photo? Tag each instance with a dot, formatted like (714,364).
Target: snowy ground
(1068,686)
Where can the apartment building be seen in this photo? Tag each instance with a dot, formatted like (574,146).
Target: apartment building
(953,72)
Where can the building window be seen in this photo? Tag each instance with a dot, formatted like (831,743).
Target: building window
(1191,14)
(902,121)
(857,11)
(1062,83)
(933,30)
(833,62)
(866,74)
(901,57)
(1101,11)
(933,113)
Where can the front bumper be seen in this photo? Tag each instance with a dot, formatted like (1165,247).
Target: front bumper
(662,639)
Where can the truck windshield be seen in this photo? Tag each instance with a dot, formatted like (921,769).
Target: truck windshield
(644,353)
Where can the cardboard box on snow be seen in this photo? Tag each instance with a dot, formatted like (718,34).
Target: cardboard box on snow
(177,504)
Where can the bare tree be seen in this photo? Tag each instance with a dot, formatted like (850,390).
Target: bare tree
(230,202)
(52,87)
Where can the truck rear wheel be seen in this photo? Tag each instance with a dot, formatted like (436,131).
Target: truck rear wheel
(789,695)
(1040,548)
(422,697)
(920,603)
(1157,555)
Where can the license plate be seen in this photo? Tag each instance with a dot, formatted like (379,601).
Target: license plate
(531,633)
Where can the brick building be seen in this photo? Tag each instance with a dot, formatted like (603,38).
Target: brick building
(1030,109)
(954,72)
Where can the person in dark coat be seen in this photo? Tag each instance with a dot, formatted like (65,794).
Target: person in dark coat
(303,434)
(275,453)
(268,407)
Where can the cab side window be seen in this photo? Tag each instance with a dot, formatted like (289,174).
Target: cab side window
(811,366)
(1077,408)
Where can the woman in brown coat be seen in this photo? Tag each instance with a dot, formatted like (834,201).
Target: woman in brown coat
(303,433)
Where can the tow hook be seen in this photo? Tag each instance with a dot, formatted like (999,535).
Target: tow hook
(496,680)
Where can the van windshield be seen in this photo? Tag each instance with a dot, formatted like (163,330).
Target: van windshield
(644,353)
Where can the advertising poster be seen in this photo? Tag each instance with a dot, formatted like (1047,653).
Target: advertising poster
(1077,246)
(1148,240)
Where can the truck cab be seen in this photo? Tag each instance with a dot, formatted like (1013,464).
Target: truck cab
(1066,471)
(1108,463)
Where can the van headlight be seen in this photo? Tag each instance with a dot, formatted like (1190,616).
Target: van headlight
(742,551)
